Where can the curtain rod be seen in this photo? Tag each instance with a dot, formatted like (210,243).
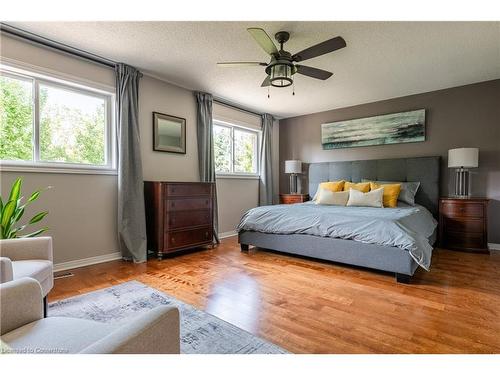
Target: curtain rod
(52,44)
(230,105)
(61,47)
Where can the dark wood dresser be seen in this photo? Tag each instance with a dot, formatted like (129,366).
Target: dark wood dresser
(463,224)
(178,215)
(293,198)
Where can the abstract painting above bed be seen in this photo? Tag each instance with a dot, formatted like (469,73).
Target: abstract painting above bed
(403,127)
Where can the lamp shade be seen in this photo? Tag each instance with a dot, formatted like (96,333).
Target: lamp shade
(463,157)
(293,166)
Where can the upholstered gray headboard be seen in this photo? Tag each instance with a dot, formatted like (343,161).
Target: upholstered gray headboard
(422,169)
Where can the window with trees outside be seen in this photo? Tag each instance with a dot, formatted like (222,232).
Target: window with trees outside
(235,150)
(46,122)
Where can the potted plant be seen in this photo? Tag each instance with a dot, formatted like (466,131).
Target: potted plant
(12,210)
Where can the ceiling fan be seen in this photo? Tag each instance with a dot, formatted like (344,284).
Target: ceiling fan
(282,67)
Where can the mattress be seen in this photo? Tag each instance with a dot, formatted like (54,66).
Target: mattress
(410,228)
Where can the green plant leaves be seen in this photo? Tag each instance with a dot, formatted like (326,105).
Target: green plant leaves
(16,190)
(18,214)
(36,233)
(34,196)
(12,211)
(7,213)
(38,217)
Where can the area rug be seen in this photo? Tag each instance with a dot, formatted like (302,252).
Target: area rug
(201,333)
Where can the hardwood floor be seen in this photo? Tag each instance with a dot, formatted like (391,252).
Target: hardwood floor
(308,306)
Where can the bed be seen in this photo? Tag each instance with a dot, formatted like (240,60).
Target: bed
(397,240)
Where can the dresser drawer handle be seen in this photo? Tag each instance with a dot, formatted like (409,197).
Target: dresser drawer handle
(172,239)
(172,204)
(206,234)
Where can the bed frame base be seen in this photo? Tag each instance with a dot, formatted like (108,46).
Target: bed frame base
(402,278)
(389,259)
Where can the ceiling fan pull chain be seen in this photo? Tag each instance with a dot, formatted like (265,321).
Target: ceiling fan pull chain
(293,88)
(268,91)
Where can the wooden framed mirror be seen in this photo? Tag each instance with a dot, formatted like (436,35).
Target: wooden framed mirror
(169,133)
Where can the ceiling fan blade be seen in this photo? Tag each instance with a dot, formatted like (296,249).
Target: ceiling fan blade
(267,82)
(327,46)
(263,40)
(313,72)
(240,63)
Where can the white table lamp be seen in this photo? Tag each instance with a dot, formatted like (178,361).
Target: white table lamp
(293,167)
(462,159)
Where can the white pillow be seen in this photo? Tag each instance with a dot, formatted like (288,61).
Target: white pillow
(408,190)
(337,198)
(373,198)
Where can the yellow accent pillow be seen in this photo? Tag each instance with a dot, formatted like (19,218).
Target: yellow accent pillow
(363,187)
(391,193)
(333,186)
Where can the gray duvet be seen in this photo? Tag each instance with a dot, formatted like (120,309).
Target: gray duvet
(406,227)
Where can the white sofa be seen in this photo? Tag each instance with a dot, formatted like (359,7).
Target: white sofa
(24,330)
(28,257)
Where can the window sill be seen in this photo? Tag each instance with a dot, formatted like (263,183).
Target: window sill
(64,170)
(237,176)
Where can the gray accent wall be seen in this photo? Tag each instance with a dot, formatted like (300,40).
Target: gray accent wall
(465,116)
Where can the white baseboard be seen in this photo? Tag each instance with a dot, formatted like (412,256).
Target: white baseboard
(231,233)
(86,262)
(494,246)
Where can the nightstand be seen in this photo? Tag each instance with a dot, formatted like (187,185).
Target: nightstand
(293,198)
(463,224)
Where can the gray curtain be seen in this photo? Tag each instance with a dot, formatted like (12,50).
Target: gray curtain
(266,170)
(206,148)
(131,212)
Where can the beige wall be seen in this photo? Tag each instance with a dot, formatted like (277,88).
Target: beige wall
(82,211)
(58,62)
(159,96)
(82,208)
(466,116)
(234,198)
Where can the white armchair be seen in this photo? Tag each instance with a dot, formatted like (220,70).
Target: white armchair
(23,329)
(28,257)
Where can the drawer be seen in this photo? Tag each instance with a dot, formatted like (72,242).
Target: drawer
(292,201)
(456,240)
(188,238)
(464,225)
(468,209)
(187,189)
(183,219)
(289,200)
(189,204)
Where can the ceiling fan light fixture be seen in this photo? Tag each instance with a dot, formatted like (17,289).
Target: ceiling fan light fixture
(280,75)
(283,65)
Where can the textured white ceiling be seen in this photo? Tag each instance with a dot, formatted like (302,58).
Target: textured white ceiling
(382,60)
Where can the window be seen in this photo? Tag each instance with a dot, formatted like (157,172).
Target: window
(46,122)
(235,149)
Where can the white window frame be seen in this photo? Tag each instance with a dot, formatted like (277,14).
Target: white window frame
(232,173)
(36,165)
